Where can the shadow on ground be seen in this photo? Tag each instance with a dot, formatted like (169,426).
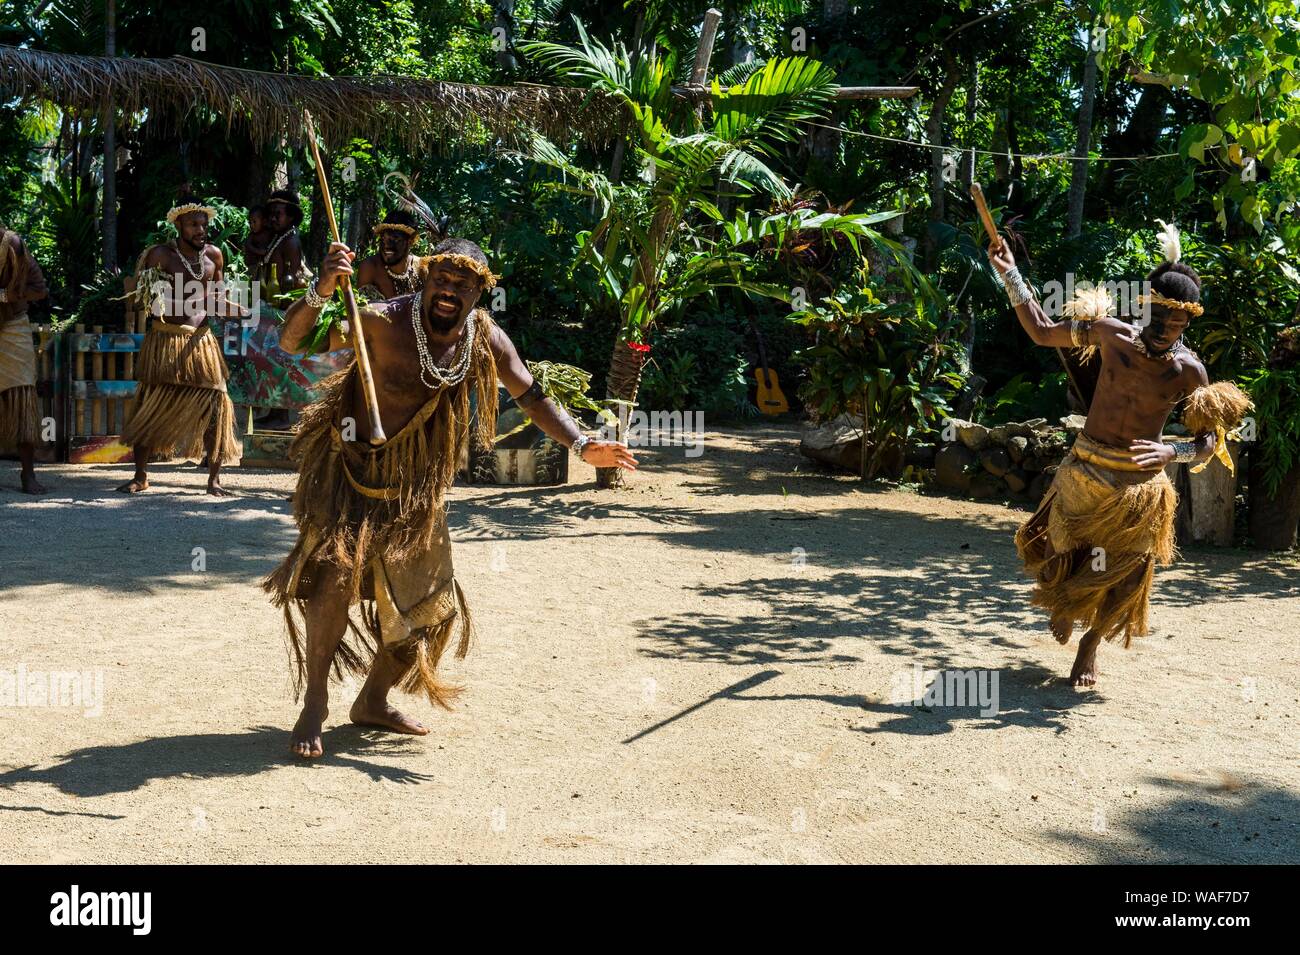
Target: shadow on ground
(1247,822)
(126,767)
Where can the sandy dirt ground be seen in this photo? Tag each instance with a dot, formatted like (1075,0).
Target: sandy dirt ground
(705,667)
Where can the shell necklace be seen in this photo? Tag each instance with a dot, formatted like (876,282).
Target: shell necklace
(194,269)
(1166,355)
(404,282)
(442,377)
(266,259)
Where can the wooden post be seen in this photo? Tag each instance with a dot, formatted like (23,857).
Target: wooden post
(704,52)
(98,406)
(79,374)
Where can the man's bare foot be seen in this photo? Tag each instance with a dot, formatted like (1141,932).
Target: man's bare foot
(305,740)
(1062,629)
(135,486)
(216,490)
(385,716)
(31,485)
(1084,672)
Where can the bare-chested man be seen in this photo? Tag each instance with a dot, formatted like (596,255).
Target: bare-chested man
(371,520)
(21,282)
(180,405)
(392,270)
(1108,517)
(284,253)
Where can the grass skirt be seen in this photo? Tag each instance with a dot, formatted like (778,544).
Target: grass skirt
(181,397)
(1093,544)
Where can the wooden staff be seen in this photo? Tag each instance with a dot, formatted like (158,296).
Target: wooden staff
(991,228)
(377,436)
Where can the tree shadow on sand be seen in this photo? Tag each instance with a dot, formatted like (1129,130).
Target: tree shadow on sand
(106,770)
(1229,821)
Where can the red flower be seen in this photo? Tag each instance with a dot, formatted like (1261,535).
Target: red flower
(639,347)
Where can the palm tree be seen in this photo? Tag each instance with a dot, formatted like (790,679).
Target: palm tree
(690,155)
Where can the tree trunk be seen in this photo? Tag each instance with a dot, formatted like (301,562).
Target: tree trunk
(972,104)
(1079,173)
(1273,520)
(622,384)
(934,136)
(505,22)
(110,150)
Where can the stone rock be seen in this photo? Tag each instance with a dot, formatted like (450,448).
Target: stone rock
(1031,462)
(1016,448)
(984,486)
(837,443)
(1017,480)
(950,467)
(1038,424)
(974,436)
(999,434)
(1073,423)
(1019,429)
(996,461)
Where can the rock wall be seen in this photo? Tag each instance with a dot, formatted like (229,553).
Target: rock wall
(1016,459)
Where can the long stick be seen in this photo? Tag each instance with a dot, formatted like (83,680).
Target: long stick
(983,209)
(377,436)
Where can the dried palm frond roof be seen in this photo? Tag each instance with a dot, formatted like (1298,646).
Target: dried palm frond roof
(415,111)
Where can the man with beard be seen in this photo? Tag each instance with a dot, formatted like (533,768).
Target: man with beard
(372,521)
(1108,517)
(21,282)
(180,405)
(393,270)
(284,254)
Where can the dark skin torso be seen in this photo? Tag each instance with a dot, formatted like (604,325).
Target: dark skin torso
(287,260)
(395,364)
(371,271)
(169,260)
(1136,394)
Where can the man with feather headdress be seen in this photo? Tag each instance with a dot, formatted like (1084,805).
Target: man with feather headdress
(393,270)
(1108,517)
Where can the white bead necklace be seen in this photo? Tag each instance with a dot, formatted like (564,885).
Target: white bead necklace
(266,259)
(197,275)
(443,377)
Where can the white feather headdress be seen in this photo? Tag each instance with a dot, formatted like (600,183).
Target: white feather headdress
(1170,241)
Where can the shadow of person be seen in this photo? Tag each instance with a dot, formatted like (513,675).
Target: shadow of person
(1026,695)
(104,770)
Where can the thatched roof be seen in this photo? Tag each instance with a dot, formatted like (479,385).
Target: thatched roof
(417,112)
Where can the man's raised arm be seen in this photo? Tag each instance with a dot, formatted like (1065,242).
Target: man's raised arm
(1037,324)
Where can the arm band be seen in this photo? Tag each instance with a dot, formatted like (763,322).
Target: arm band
(531,396)
(1184,451)
(1079,332)
(1017,291)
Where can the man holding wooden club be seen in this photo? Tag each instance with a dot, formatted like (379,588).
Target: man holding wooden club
(377,455)
(1108,517)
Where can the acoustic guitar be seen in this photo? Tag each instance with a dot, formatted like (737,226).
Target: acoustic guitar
(769,398)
